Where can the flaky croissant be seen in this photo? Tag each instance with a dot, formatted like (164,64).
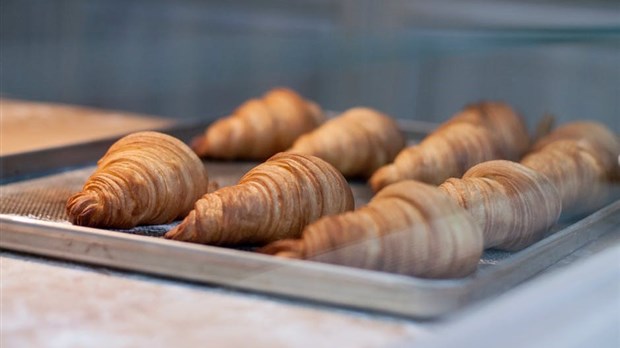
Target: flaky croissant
(357,142)
(408,228)
(421,230)
(514,205)
(144,178)
(580,158)
(260,128)
(274,200)
(481,132)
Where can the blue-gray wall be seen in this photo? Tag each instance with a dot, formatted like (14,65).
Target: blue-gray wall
(421,60)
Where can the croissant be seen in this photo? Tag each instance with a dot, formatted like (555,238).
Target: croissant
(514,205)
(274,200)
(144,178)
(481,132)
(416,229)
(408,228)
(580,158)
(604,141)
(260,128)
(357,142)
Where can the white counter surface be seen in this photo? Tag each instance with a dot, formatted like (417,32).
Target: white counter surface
(47,303)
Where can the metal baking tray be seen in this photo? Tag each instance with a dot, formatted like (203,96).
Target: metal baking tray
(36,185)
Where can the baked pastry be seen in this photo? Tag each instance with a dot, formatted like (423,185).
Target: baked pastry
(274,200)
(144,178)
(420,230)
(581,159)
(481,132)
(514,205)
(602,139)
(409,228)
(260,128)
(357,142)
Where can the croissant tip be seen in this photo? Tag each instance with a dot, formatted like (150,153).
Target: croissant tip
(286,248)
(175,233)
(383,177)
(199,145)
(183,231)
(84,209)
(289,254)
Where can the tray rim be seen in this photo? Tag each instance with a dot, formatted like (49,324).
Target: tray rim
(324,283)
(112,249)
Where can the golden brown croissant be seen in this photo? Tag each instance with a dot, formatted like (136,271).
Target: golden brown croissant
(514,205)
(408,228)
(260,128)
(417,229)
(481,132)
(580,158)
(144,178)
(274,200)
(357,142)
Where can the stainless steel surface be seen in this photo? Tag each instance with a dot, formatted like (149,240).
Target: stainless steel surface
(239,269)
(337,285)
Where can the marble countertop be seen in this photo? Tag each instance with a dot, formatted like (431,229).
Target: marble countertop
(48,303)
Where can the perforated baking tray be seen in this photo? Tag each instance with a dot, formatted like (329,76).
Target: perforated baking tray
(33,220)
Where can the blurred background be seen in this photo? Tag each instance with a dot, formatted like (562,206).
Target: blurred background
(418,60)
